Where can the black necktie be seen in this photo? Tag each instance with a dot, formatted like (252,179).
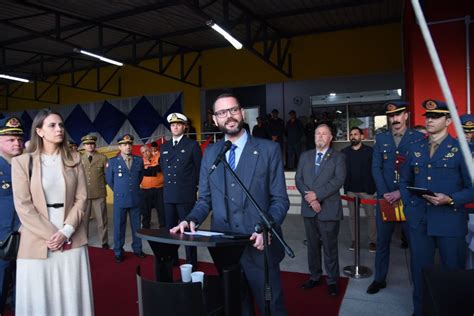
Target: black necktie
(175,143)
(90,159)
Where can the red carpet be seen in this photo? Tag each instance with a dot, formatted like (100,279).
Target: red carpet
(115,291)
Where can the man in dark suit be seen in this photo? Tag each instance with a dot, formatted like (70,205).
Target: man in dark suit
(319,177)
(259,165)
(180,160)
(439,221)
(11,145)
(123,175)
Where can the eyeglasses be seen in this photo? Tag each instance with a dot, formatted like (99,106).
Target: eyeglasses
(223,113)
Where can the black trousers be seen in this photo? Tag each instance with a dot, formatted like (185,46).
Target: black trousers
(174,214)
(152,198)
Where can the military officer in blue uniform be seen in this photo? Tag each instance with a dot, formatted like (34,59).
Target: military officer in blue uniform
(390,150)
(124,174)
(467,121)
(180,161)
(437,164)
(11,145)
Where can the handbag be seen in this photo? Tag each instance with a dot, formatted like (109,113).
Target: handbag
(9,246)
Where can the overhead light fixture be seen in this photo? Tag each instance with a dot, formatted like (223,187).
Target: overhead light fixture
(332,94)
(224,33)
(102,58)
(13,78)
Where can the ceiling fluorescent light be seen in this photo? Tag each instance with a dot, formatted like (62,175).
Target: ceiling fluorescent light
(13,78)
(224,33)
(102,58)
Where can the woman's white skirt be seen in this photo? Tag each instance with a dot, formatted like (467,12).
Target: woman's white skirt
(58,285)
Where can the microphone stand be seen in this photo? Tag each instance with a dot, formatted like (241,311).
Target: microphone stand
(266,226)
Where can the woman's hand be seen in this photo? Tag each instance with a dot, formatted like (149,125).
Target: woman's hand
(56,241)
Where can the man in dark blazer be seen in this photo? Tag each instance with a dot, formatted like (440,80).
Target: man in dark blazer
(11,145)
(259,165)
(124,174)
(180,160)
(319,177)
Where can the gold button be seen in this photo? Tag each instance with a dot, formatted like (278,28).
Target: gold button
(429,178)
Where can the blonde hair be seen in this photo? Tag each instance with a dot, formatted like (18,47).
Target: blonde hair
(36,142)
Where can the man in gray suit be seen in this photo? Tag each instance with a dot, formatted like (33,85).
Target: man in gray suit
(259,165)
(319,177)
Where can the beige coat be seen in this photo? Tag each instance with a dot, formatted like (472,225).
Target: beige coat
(30,204)
(95,175)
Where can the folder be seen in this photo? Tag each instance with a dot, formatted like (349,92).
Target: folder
(392,212)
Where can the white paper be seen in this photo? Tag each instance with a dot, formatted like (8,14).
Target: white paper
(204,233)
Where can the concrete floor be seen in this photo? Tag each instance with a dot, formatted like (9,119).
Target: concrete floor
(394,300)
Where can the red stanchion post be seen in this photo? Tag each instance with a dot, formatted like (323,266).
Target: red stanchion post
(357,271)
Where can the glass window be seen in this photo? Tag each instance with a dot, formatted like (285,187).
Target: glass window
(369,117)
(336,115)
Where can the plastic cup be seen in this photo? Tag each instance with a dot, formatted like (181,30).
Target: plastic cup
(186,272)
(198,276)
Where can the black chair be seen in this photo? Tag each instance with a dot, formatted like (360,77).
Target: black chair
(167,298)
(448,292)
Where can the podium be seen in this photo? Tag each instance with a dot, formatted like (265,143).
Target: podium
(225,252)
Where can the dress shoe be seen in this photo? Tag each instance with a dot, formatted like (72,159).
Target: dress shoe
(372,247)
(309,284)
(332,289)
(118,258)
(140,254)
(375,287)
(105,246)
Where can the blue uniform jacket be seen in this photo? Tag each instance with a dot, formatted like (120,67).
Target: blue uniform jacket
(446,173)
(9,220)
(384,158)
(125,183)
(180,167)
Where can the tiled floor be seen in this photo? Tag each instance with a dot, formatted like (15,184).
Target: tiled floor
(394,300)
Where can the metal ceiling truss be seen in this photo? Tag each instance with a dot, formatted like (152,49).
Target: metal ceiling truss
(278,58)
(130,38)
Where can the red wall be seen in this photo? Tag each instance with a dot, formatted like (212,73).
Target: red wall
(449,40)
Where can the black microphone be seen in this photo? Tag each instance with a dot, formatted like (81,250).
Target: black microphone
(226,148)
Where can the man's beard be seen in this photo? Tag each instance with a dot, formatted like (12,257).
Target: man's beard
(355,142)
(231,132)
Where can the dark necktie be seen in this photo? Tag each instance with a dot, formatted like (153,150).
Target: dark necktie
(175,143)
(318,162)
(232,157)
(90,159)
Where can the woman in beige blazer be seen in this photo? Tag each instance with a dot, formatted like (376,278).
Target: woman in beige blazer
(49,188)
